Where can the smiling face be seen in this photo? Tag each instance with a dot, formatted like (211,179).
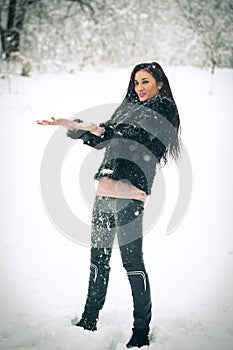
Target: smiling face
(146,86)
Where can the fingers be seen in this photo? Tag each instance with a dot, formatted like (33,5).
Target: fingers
(43,122)
(47,122)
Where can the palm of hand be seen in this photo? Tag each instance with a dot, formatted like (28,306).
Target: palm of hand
(53,121)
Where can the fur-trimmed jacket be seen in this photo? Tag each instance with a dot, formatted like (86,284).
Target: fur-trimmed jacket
(136,138)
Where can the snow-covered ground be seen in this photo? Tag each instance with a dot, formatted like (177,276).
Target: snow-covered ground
(44,274)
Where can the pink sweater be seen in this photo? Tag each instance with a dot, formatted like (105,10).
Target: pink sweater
(119,189)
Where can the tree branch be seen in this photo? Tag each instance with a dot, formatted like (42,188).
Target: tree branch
(83,4)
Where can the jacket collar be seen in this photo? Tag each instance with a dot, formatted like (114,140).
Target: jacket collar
(151,101)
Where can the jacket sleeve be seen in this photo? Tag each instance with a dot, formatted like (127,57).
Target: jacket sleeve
(92,140)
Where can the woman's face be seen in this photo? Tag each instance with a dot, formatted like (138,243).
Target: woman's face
(146,86)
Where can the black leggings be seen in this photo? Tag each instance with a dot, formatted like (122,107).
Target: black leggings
(121,218)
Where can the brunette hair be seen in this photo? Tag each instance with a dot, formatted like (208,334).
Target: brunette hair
(131,97)
(157,72)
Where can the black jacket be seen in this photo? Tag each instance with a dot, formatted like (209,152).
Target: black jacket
(136,137)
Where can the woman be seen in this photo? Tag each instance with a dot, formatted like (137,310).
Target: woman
(143,130)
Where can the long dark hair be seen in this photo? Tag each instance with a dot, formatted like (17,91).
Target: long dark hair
(131,97)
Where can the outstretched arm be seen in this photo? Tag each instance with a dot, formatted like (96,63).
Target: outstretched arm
(92,134)
(72,125)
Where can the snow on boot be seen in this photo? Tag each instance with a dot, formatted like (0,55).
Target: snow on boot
(139,338)
(87,324)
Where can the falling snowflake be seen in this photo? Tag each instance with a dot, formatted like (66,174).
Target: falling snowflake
(147,157)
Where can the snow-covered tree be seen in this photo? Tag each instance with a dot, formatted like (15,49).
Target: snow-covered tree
(75,33)
(212,23)
(12,19)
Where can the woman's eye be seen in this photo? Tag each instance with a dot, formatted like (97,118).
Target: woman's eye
(143,82)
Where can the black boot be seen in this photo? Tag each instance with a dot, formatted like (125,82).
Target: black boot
(141,299)
(142,307)
(97,289)
(132,258)
(88,323)
(139,338)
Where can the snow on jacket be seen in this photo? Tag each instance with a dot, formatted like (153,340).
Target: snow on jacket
(135,138)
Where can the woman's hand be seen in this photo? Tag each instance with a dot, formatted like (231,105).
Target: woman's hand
(69,124)
(53,121)
(93,128)
(72,125)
